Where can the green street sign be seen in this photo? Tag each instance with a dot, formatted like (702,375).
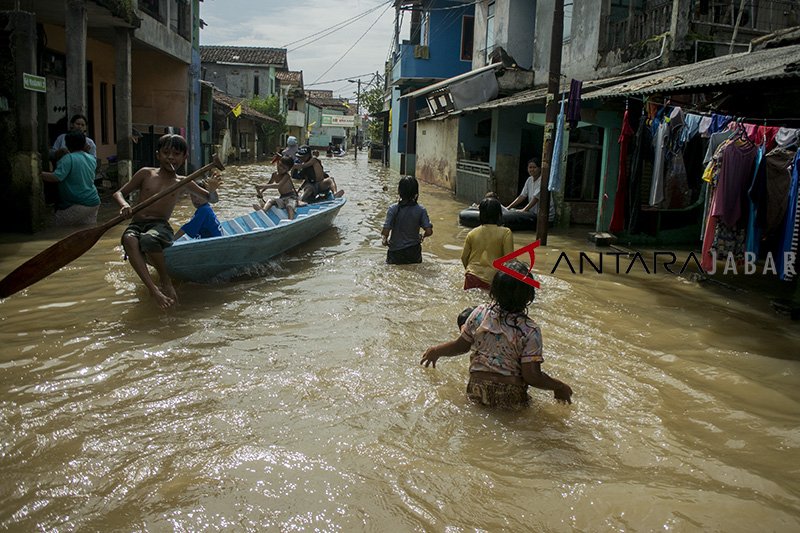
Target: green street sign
(34,83)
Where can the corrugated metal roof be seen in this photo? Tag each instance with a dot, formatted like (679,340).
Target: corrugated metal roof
(539,94)
(760,65)
(244,55)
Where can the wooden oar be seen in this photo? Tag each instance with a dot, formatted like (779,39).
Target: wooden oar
(73,246)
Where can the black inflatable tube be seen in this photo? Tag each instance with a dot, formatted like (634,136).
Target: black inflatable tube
(513,219)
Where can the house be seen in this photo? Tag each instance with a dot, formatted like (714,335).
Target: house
(329,119)
(440,47)
(240,135)
(243,71)
(94,58)
(292,93)
(480,147)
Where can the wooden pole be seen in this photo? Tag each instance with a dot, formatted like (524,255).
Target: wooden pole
(551,112)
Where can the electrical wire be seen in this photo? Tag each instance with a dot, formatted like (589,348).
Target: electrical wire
(333,29)
(340,79)
(354,44)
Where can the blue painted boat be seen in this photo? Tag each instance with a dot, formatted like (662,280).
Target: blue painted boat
(248,241)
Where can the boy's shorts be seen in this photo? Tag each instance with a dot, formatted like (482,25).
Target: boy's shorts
(287,201)
(153,235)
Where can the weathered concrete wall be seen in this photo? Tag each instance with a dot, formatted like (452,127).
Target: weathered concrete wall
(437,152)
(20,163)
(519,27)
(514,28)
(160,96)
(239,81)
(579,53)
(161,38)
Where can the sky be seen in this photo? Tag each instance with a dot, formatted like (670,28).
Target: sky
(276,24)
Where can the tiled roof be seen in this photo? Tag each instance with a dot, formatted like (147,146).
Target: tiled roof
(230,102)
(244,55)
(291,77)
(319,93)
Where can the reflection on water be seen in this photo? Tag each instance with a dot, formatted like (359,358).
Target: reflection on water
(294,399)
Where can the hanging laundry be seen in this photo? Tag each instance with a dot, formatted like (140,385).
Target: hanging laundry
(755,193)
(718,122)
(791,234)
(574,107)
(787,137)
(705,125)
(555,164)
(625,135)
(659,155)
(691,127)
(778,182)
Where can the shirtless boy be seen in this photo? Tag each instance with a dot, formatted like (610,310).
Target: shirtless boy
(316,181)
(281,180)
(149,231)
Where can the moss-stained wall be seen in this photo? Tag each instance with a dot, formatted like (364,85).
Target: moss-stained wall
(437,152)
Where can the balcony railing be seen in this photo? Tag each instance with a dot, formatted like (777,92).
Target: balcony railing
(296,118)
(655,19)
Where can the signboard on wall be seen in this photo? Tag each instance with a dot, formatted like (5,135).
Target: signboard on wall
(338,121)
(32,82)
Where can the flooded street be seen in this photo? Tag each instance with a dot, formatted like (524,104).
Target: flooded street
(295,401)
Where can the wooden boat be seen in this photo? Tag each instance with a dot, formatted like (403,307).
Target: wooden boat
(512,219)
(248,241)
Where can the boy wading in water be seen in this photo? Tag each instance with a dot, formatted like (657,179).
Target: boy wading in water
(149,232)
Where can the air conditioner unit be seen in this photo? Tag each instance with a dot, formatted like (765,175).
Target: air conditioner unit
(421,52)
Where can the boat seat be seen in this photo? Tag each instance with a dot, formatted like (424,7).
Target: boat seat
(231,227)
(282,214)
(262,219)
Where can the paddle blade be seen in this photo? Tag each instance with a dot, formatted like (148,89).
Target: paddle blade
(49,260)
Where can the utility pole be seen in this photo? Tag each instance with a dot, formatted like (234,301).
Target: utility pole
(358,115)
(551,112)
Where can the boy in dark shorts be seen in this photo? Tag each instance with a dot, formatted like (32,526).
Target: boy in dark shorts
(149,232)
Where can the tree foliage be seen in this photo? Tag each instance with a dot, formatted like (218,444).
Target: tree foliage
(270,106)
(372,99)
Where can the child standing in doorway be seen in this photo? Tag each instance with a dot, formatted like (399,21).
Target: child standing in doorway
(403,222)
(484,244)
(505,347)
(149,232)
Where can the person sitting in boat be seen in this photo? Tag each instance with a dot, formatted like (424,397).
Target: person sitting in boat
(329,153)
(291,147)
(204,223)
(529,196)
(316,181)
(282,181)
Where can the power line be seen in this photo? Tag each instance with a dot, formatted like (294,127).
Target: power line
(340,79)
(332,29)
(354,44)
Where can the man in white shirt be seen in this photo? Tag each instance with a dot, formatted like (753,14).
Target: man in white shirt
(529,196)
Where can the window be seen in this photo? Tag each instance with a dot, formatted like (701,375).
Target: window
(255,85)
(151,8)
(467,37)
(489,33)
(568,19)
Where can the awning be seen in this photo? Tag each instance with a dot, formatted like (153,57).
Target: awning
(445,83)
(539,94)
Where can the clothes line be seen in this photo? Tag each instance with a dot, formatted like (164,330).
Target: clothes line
(706,113)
